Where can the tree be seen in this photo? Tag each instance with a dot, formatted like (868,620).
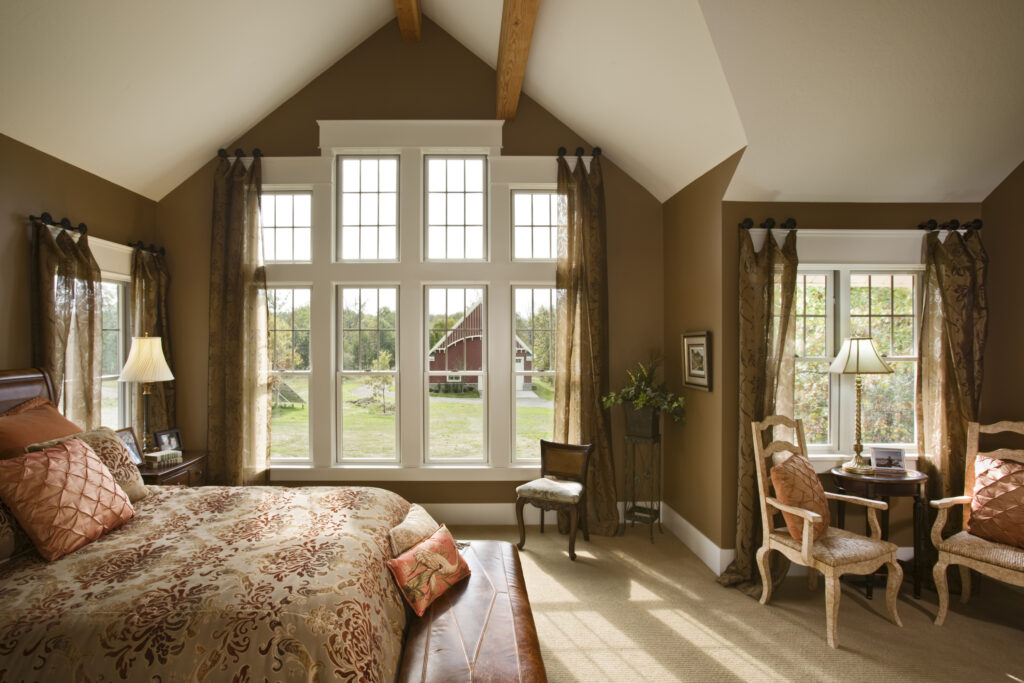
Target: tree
(380,385)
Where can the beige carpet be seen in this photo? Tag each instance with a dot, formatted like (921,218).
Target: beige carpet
(627,610)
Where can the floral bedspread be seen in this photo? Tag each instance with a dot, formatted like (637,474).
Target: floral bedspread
(215,584)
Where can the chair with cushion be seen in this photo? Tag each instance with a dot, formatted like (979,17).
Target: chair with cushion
(807,539)
(992,540)
(562,486)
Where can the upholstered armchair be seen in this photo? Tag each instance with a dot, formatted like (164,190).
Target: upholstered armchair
(562,486)
(993,503)
(828,550)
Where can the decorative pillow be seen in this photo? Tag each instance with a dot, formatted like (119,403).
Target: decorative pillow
(997,511)
(428,569)
(797,484)
(107,445)
(417,525)
(13,541)
(63,497)
(30,422)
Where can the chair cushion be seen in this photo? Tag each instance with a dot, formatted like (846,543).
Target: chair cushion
(836,547)
(417,525)
(35,420)
(109,448)
(63,497)
(797,484)
(997,510)
(555,490)
(429,568)
(999,554)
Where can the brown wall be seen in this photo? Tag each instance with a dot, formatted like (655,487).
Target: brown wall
(32,182)
(1003,234)
(385,78)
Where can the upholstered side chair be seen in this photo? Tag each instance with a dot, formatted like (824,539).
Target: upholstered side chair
(997,560)
(836,551)
(562,486)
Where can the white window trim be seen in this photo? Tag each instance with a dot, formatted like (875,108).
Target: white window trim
(411,140)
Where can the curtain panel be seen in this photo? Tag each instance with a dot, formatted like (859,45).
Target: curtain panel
(582,361)
(147,299)
(767,285)
(954,330)
(239,410)
(67,305)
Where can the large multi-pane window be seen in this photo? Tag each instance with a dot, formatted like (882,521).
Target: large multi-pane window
(536,219)
(456,207)
(286,226)
(368,208)
(455,373)
(289,349)
(814,351)
(534,345)
(368,373)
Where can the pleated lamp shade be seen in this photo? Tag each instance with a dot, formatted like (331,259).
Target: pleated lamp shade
(859,356)
(146,362)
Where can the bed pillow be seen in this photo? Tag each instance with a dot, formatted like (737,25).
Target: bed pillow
(35,420)
(13,541)
(797,484)
(63,497)
(997,507)
(417,525)
(428,569)
(107,445)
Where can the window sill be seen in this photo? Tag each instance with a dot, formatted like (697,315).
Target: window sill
(823,462)
(380,472)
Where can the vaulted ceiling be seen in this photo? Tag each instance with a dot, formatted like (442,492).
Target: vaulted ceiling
(917,100)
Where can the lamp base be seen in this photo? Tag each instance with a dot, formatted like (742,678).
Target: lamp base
(858,464)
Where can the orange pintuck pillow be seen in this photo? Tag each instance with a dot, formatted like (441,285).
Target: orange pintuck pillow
(797,484)
(997,509)
(63,497)
(428,569)
(35,420)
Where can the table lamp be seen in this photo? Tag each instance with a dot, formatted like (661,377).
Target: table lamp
(859,356)
(146,364)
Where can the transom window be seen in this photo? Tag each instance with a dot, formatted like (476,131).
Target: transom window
(286,226)
(455,208)
(533,368)
(368,208)
(536,218)
(289,349)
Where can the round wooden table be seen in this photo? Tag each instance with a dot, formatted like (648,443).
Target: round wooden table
(883,487)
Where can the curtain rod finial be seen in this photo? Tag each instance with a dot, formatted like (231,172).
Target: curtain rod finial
(579,151)
(562,151)
(82,228)
(768,224)
(597,151)
(746,223)
(257,153)
(239,152)
(222,153)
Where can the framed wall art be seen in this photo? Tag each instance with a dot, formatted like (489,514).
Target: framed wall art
(697,360)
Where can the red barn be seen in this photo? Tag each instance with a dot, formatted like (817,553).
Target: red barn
(460,352)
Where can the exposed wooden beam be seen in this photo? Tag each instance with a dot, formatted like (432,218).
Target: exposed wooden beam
(517,19)
(408,13)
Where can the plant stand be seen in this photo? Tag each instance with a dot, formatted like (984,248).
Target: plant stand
(643,483)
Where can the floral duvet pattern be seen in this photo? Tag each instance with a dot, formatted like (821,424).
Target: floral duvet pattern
(215,584)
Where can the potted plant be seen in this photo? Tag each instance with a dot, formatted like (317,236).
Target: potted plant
(644,401)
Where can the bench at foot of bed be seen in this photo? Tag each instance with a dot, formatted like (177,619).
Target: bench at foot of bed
(480,630)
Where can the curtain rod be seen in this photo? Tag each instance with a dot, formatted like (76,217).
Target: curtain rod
(47,219)
(769,223)
(579,151)
(223,153)
(954,224)
(152,248)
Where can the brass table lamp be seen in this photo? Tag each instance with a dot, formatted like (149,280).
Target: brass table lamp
(146,364)
(859,356)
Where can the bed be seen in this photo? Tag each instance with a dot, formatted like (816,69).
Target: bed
(211,584)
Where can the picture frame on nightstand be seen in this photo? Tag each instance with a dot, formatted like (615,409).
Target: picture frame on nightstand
(131,443)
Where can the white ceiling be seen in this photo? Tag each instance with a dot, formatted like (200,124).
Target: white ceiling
(916,100)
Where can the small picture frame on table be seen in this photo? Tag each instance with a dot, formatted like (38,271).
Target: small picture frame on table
(697,360)
(131,443)
(888,460)
(168,439)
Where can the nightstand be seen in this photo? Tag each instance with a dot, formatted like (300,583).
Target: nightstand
(191,471)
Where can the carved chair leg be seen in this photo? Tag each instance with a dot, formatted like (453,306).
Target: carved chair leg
(892,590)
(574,518)
(812,579)
(965,583)
(520,502)
(586,517)
(766,574)
(832,593)
(941,587)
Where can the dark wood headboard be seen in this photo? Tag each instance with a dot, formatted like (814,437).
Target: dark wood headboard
(18,386)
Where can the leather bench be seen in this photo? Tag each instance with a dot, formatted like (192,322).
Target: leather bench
(480,630)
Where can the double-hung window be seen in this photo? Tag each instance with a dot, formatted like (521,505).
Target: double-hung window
(114,394)
(289,321)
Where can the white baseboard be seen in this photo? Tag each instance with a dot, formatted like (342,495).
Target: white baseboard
(717,559)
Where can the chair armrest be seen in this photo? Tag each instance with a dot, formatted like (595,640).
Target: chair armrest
(857,500)
(809,515)
(944,503)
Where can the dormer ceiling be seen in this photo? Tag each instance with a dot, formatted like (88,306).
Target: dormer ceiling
(917,100)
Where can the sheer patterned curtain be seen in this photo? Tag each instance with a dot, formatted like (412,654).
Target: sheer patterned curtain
(66,320)
(239,410)
(767,285)
(147,296)
(581,368)
(953,334)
